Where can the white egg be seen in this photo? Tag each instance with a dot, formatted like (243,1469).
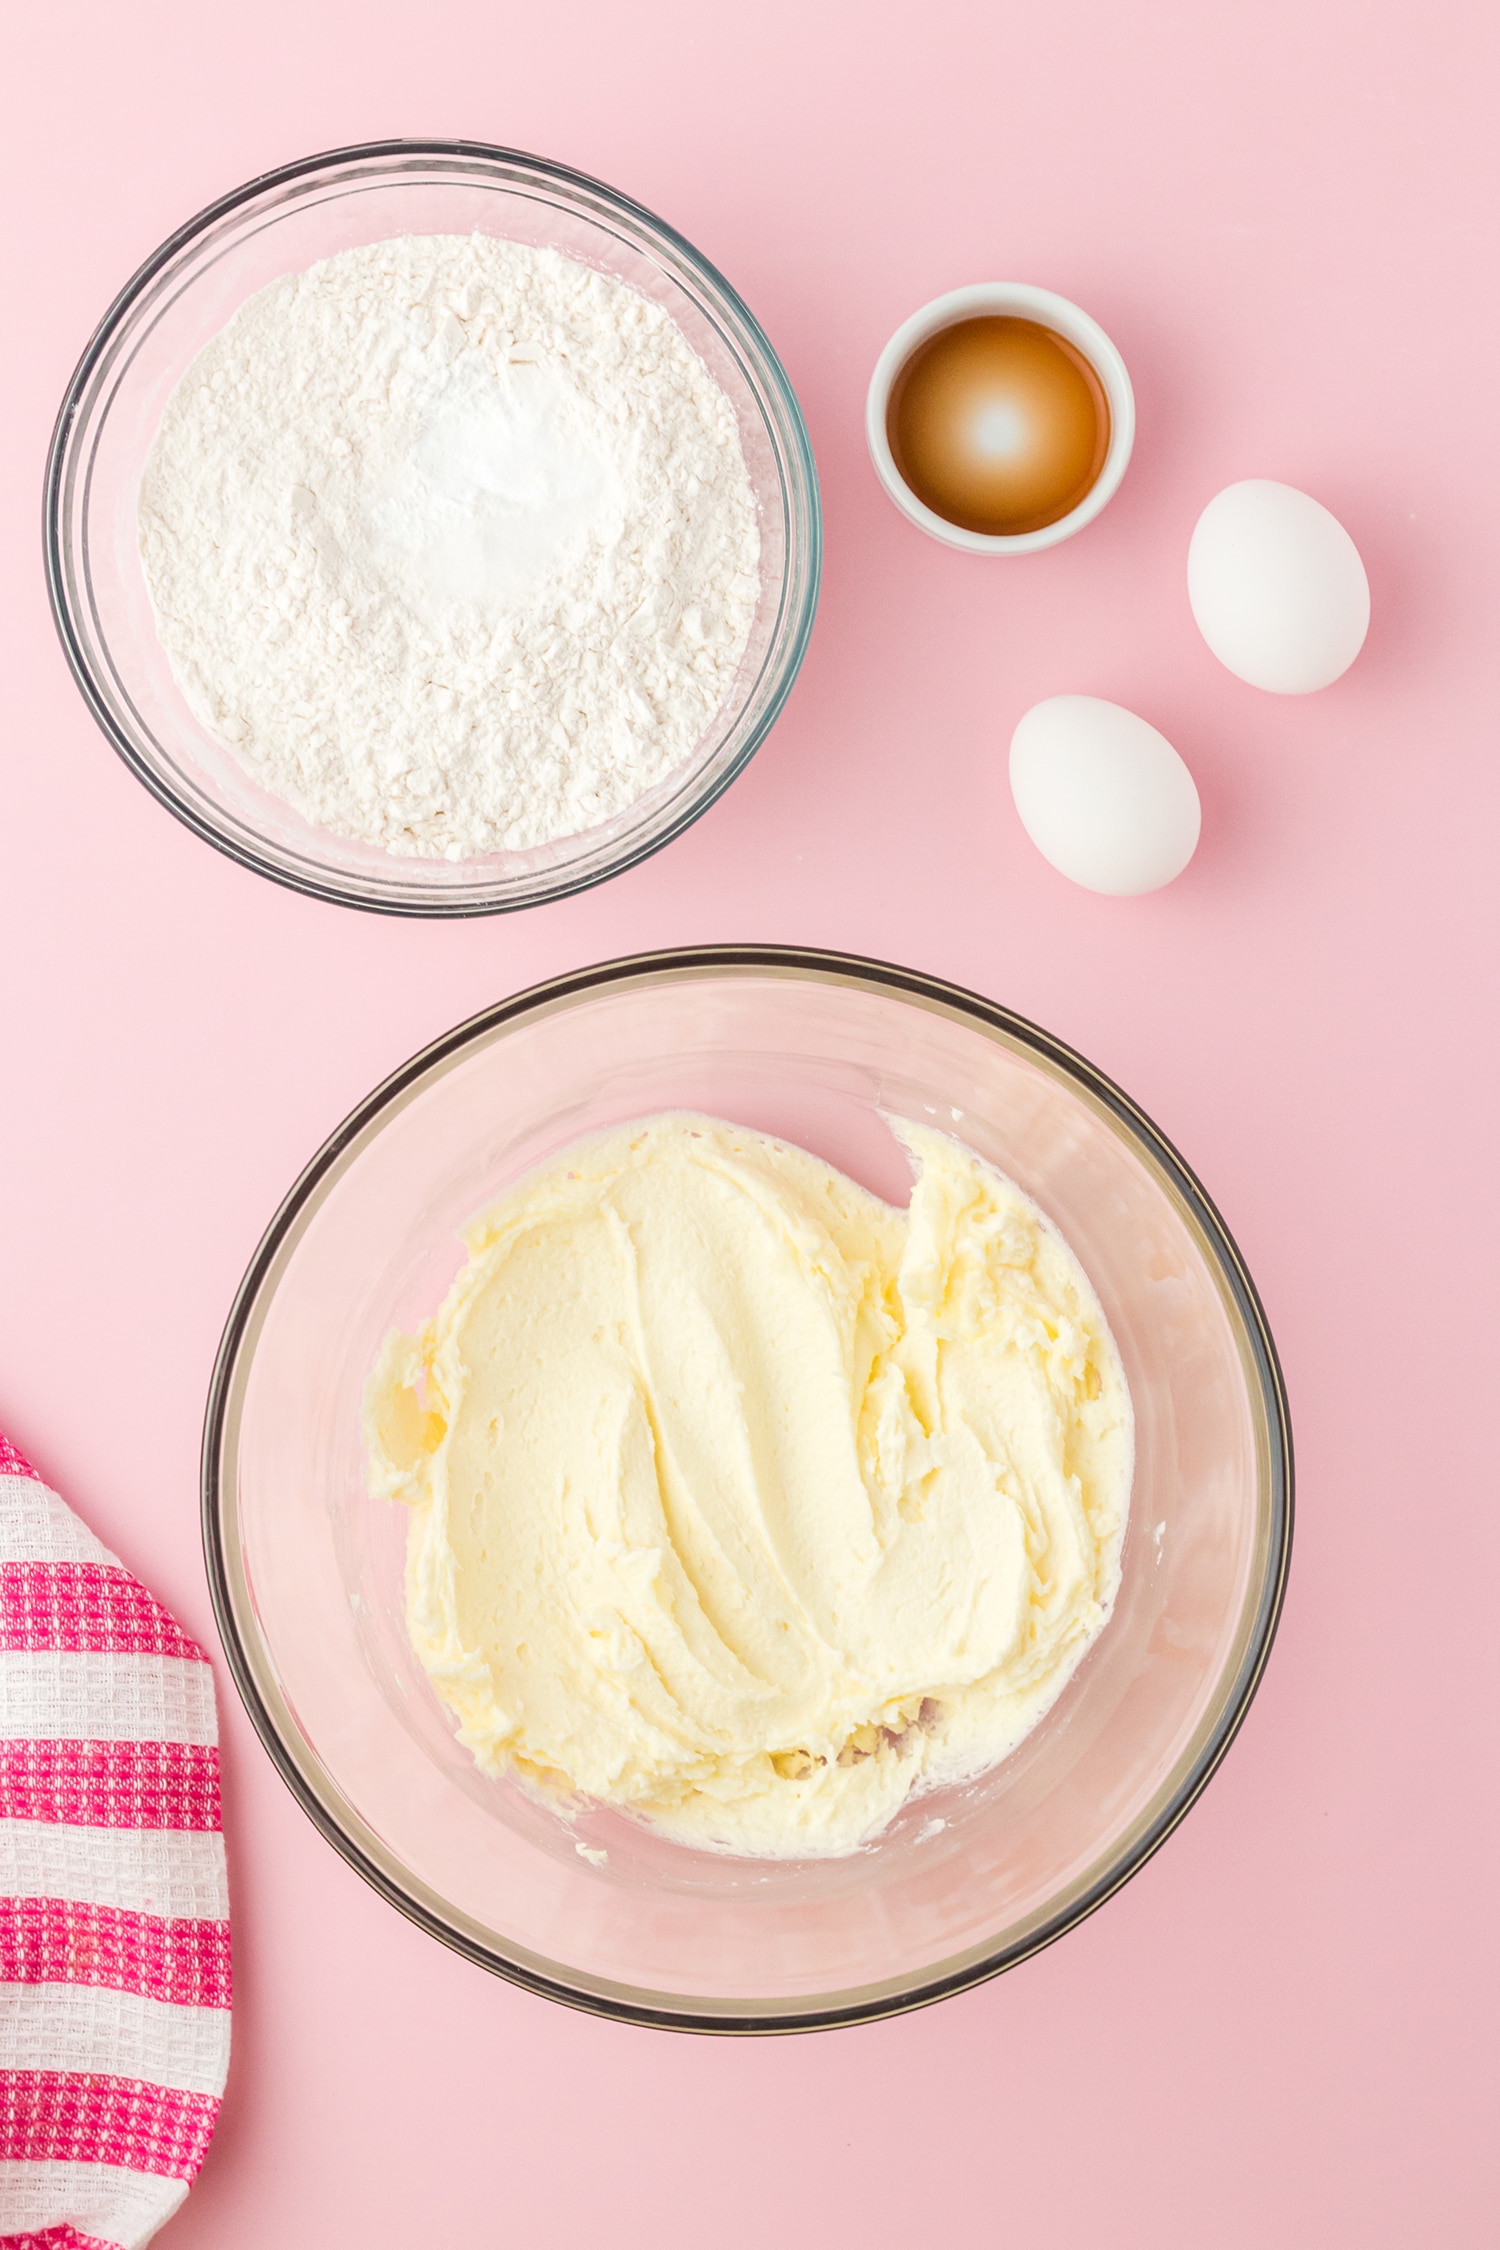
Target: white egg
(1277,587)
(1102,795)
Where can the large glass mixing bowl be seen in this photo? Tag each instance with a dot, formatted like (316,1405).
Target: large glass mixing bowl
(184,295)
(307,1568)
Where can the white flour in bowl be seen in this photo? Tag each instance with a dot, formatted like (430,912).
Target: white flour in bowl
(453,542)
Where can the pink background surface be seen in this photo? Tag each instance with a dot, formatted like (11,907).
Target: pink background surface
(1285,215)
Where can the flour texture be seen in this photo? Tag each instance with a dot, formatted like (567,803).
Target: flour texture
(452,541)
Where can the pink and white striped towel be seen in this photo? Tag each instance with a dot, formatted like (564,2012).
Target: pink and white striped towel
(114,1930)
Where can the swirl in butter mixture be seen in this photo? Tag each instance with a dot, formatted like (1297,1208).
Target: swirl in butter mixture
(745,1502)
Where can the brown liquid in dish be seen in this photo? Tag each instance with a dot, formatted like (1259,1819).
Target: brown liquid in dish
(998,425)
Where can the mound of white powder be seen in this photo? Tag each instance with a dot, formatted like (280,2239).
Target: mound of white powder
(452,542)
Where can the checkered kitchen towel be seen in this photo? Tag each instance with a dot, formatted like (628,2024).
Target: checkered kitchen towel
(114,1932)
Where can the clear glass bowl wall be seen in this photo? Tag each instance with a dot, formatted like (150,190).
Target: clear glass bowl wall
(185,294)
(308,1569)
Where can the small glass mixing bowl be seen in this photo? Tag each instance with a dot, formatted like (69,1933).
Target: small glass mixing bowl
(183,296)
(595,1910)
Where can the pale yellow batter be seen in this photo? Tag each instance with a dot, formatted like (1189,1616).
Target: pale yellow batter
(745,1502)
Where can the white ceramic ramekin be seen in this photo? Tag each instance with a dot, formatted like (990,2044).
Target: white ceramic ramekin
(1021,302)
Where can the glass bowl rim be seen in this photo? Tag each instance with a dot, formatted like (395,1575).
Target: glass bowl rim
(61,451)
(673,965)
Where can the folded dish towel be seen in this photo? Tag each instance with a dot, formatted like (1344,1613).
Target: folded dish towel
(114,1931)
